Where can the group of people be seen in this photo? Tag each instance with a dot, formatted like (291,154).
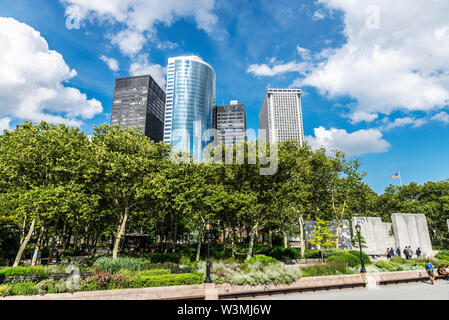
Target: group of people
(408,252)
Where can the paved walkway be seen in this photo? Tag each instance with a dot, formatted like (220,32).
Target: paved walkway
(408,291)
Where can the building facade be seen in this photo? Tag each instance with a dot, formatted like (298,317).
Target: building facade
(189,105)
(230,123)
(139,102)
(281,116)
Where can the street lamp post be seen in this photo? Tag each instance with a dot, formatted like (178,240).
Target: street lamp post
(208,229)
(362,260)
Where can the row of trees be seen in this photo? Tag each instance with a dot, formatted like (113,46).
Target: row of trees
(58,184)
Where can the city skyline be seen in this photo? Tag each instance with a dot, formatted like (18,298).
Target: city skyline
(374,84)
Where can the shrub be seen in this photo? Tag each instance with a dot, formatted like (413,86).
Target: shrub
(336,267)
(103,281)
(255,274)
(165,258)
(398,260)
(348,259)
(154,272)
(260,258)
(366,257)
(109,265)
(281,253)
(443,255)
(388,265)
(52,286)
(143,281)
(17,271)
(26,288)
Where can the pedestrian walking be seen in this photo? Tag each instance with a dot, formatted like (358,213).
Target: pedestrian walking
(410,253)
(392,252)
(398,252)
(418,252)
(430,271)
(388,253)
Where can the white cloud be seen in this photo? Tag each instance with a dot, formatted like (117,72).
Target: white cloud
(360,116)
(167,45)
(139,17)
(111,62)
(442,116)
(4,124)
(142,67)
(318,15)
(400,65)
(353,144)
(33,79)
(277,69)
(402,122)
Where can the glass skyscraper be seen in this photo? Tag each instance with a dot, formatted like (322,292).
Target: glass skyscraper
(190,98)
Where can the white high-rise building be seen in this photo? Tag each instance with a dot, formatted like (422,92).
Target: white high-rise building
(281,115)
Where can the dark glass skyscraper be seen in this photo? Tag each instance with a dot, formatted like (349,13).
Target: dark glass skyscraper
(230,123)
(139,101)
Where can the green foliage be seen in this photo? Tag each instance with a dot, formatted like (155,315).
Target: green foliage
(443,255)
(144,281)
(251,274)
(336,267)
(52,286)
(398,260)
(322,236)
(165,258)
(356,253)
(264,260)
(26,288)
(16,271)
(113,266)
(281,253)
(388,265)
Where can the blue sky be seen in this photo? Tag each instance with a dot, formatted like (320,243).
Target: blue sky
(374,84)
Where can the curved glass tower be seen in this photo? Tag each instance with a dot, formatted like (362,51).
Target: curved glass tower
(190,99)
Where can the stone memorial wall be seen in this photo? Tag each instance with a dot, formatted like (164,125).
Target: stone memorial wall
(412,230)
(344,241)
(378,235)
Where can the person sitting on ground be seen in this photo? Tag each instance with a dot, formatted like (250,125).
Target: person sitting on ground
(430,271)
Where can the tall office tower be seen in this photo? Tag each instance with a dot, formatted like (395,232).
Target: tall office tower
(230,123)
(189,105)
(281,115)
(139,101)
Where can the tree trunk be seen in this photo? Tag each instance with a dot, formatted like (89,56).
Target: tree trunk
(301,236)
(37,247)
(175,235)
(284,234)
(24,244)
(198,248)
(120,235)
(270,239)
(233,242)
(251,242)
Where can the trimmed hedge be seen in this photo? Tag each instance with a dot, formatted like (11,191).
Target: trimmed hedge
(332,268)
(264,260)
(142,281)
(281,253)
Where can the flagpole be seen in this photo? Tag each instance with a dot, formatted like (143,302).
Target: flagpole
(400,179)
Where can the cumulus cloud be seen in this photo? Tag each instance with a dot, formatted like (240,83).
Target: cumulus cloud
(33,79)
(111,62)
(353,144)
(395,56)
(442,116)
(139,17)
(142,67)
(4,124)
